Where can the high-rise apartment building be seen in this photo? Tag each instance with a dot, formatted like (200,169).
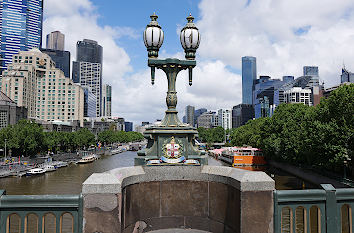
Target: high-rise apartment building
(346,76)
(128,126)
(20,28)
(241,113)
(55,41)
(197,113)
(32,81)
(263,95)
(206,120)
(89,103)
(312,71)
(249,74)
(224,118)
(298,95)
(87,69)
(89,51)
(190,115)
(61,59)
(106,100)
(55,49)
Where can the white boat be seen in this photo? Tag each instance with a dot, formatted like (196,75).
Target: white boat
(35,171)
(87,159)
(116,151)
(59,164)
(49,168)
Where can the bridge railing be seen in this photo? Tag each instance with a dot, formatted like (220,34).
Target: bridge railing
(40,213)
(326,210)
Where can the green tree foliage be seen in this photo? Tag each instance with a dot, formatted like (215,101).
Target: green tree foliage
(110,136)
(250,134)
(211,135)
(28,138)
(299,134)
(84,138)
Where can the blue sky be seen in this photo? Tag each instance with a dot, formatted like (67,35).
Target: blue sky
(283,35)
(135,14)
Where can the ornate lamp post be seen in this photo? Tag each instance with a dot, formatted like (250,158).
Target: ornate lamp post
(171,142)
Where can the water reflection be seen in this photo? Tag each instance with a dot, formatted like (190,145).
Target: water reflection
(68,180)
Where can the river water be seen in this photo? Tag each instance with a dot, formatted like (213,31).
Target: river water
(68,180)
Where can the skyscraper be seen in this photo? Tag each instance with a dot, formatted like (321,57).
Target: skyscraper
(197,113)
(106,100)
(20,28)
(249,74)
(55,41)
(61,59)
(346,76)
(87,69)
(190,115)
(224,118)
(89,51)
(241,113)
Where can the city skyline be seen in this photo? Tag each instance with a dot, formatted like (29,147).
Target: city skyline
(280,49)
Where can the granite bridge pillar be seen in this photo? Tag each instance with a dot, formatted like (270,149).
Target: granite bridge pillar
(200,198)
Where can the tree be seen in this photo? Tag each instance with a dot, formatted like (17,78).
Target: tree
(251,134)
(335,118)
(84,138)
(106,136)
(31,137)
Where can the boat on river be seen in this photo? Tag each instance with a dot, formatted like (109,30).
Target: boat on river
(87,158)
(243,156)
(35,171)
(49,168)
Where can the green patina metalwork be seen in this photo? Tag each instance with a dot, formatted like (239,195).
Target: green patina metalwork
(170,126)
(40,205)
(328,202)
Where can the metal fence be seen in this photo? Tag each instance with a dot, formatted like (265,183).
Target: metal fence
(326,210)
(40,213)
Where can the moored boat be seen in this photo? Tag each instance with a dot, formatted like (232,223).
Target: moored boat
(87,159)
(243,156)
(49,168)
(35,171)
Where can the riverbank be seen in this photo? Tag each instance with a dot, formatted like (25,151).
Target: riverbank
(307,175)
(20,166)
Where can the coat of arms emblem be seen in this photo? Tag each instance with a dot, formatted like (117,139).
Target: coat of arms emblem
(172,152)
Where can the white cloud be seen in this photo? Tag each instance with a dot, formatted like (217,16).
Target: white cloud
(266,29)
(284,35)
(133,96)
(78,22)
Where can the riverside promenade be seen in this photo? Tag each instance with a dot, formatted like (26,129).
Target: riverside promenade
(308,175)
(19,166)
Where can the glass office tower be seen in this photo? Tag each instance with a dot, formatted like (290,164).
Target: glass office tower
(249,74)
(87,69)
(20,27)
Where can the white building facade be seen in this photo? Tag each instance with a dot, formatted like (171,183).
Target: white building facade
(32,81)
(298,95)
(225,118)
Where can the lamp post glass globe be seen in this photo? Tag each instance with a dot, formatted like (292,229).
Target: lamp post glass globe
(190,38)
(153,37)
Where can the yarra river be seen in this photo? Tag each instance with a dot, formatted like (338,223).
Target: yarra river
(68,180)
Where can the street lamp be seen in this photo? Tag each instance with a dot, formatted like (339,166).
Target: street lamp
(171,140)
(190,38)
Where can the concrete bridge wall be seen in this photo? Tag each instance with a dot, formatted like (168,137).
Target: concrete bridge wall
(207,198)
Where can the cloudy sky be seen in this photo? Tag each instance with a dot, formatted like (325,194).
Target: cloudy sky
(284,35)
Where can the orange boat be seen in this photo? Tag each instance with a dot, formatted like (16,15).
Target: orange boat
(243,156)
